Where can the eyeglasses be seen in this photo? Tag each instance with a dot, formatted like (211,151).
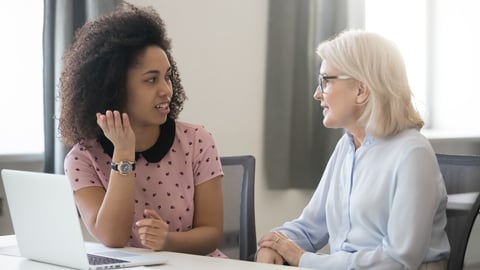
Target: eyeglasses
(323,80)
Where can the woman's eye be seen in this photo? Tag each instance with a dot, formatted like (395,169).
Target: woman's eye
(152,80)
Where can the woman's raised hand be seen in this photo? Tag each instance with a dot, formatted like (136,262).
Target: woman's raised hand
(117,129)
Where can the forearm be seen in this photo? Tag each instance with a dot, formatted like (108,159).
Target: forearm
(115,217)
(202,240)
(109,214)
(207,229)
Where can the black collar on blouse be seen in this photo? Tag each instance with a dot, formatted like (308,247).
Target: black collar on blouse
(154,153)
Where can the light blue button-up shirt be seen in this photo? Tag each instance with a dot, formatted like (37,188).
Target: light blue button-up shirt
(381,206)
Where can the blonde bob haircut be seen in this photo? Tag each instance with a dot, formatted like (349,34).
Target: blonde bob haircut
(376,62)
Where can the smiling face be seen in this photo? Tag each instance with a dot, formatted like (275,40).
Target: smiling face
(149,88)
(340,102)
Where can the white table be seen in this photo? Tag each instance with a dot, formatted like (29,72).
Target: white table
(178,261)
(461,201)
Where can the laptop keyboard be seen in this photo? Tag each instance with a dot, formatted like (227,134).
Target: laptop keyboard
(99,260)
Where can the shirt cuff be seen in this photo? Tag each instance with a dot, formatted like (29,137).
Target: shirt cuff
(327,261)
(307,259)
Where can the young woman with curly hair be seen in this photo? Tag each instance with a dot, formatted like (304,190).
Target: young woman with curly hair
(141,177)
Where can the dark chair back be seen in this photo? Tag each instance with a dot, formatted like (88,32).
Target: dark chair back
(239,239)
(461,175)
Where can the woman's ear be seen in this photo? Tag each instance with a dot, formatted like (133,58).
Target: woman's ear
(363,93)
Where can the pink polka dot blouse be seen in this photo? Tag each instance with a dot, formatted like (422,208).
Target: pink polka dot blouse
(167,185)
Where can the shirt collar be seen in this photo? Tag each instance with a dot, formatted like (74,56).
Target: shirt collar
(368,140)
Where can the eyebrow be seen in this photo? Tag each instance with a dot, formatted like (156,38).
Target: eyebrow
(151,72)
(157,71)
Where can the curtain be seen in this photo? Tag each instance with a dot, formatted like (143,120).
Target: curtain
(296,144)
(61,19)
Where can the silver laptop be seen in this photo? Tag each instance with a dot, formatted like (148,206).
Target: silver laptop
(47,226)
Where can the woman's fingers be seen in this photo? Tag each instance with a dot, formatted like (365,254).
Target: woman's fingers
(116,127)
(267,255)
(152,230)
(280,243)
(125,122)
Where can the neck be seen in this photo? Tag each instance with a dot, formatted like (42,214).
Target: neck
(145,138)
(358,137)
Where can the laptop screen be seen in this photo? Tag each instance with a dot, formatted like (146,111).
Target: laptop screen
(46,221)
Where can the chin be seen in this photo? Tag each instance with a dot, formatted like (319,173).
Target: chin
(327,124)
(330,124)
(162,121)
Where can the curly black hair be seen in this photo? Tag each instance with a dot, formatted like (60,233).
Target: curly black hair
(95,68)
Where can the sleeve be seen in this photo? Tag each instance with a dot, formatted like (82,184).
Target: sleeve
(79,169)
(309,230)
(414,203)
(206,160)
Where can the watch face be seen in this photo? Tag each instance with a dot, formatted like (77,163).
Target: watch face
(124,167)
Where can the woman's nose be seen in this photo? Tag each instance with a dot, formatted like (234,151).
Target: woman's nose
(317,95)
(165,88)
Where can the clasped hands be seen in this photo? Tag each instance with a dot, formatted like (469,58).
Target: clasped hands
(152,230)
(276,248)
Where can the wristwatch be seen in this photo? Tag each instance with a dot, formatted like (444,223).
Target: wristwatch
(123,167)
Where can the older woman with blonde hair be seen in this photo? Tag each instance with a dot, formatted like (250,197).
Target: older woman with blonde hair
(381,202)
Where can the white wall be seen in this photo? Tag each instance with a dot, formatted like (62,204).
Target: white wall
(220,49)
